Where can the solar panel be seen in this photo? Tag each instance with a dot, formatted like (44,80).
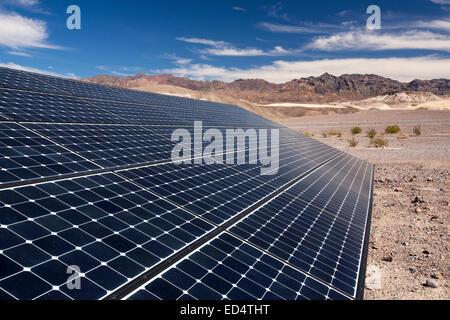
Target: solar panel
(24,155)
(33,106)
(14,79)
(87,180)
(112,229)
(325,241)
(110,145)
(228,268)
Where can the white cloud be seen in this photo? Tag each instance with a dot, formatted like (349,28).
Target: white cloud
(403,69)
(239,9)
(441,1)
(305,28)
(22,3)
(28,3)
(122,74)
(176,59)
(203,41)
(121,71)
(18,32)
(19,53)
(251,52)
(435,24)
(222,48)
(358,40)
(13,65)
(281,28)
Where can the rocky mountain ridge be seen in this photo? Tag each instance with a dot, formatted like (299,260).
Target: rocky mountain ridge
(323,89)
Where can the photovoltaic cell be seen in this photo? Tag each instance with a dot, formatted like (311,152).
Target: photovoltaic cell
(179,102)
(296,159)
(219,119)
(325,244)
(227,268)
(215,192)
(94,91)
(220,192)
(33,106)
(111,145)
(24,155)
(82,89)
(109,227)
(141,114)
(14,79)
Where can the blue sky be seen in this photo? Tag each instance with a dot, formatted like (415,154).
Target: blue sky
(227,40)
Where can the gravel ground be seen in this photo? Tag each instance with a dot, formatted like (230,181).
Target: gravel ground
(410,224)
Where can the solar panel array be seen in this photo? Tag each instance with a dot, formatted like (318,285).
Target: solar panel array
(87,180)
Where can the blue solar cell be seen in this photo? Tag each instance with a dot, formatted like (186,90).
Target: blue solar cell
(8,268)
(25,286)
(52,271)
(313,236)
(41,107)
(26,156)
(140,114)
(199,191)
(66,231)
(16,79)
(111,145)
(227,268)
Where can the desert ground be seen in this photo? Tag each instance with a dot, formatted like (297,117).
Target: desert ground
(409,242)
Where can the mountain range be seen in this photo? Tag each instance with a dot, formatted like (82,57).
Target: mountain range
(323,89)
(267,98)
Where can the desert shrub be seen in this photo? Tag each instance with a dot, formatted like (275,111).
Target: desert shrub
(335,133)
(379,142)
(371,133)
(324,134)
(356,130)
(353,142)
(402,136)
(392,129)
(417,130)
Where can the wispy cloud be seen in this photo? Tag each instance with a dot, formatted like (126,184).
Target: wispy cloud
(276,11)
(22,3)
(222,48)
(435,24)
(235,8)
(13,65)
(441,1)
(121,71)
(19,53)
(203,41)
(176,59)
(18,32)
(122,74)
(28,5)
(427,67)
(366,40)
(251,52)
(283,28)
